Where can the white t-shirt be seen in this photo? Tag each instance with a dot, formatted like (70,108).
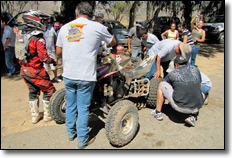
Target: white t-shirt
(8,33)
(165,49)
(150,41)
(80,40)
(49,38)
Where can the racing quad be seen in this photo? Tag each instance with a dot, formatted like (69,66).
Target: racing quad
(120,85)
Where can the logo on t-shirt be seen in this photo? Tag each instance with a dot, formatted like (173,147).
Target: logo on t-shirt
(75,32)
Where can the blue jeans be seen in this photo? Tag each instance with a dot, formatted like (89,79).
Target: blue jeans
(78,99)
(9,59)
(205,89)
(193,55)
(165,66)
(136,52)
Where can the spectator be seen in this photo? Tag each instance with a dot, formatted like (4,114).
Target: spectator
(134,41)
(187,38)
(148,39)
(171,33)
(198,35)
(166,50)
(206,86)
(78,43)
(50,38)
(56,26)
(8,41)
(182,89)
(33,72)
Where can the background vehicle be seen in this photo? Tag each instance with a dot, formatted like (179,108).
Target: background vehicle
(119,30)
(162,24)
(214,28)
(119,89)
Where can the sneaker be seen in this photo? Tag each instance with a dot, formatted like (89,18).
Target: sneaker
(71,139)
(88,143)
(56,80)
(157,115)
(191,120)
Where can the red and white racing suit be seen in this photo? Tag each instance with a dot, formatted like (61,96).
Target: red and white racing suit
(34,74)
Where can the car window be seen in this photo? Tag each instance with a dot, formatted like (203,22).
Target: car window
(164,21)
(118,25)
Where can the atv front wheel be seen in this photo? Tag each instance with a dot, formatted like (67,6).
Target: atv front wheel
(58,106)
(122,123)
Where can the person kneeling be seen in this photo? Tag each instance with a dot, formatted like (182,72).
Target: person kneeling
(182,89)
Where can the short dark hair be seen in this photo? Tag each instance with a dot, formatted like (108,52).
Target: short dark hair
(4,17)
(143,31)
(84,8)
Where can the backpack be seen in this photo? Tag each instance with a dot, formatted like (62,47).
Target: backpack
(22,50)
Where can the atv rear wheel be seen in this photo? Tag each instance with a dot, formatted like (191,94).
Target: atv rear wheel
(122,123)
(58,106)
(152,96)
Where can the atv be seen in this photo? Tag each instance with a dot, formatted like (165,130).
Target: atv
(119,87)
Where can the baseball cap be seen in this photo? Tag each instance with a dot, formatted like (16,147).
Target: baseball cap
(180,60)
(185,49)
(99,14)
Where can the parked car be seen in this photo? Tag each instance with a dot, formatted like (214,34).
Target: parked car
(119,30)
(214,28)
(162,24)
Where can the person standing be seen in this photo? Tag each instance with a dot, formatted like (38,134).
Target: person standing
(148,39)
(182,89)
(78,43)
(32,71)
(8,41)
(198,35)
(172,33)
(187,38)
(50,37)
(134,41)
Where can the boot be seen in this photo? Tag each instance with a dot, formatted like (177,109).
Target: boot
(35,111)
(47,116)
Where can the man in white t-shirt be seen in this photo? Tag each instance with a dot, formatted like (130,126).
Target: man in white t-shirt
(78,43)
(148,39)
(50,38)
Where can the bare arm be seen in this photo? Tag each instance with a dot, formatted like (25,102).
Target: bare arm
(6,43)
(59,51)
(163,34)
(112,43)
(177,35)
(158,73)
(193,20)
(129,46)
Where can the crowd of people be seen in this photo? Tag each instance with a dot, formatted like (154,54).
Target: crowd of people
(78,43)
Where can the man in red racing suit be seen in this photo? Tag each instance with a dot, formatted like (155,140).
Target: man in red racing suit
(37,78)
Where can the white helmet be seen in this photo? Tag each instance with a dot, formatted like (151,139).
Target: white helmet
(35,18)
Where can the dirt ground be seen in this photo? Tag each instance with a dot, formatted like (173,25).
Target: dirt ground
(17,131)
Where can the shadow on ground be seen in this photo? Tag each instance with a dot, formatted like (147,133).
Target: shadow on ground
(209,49)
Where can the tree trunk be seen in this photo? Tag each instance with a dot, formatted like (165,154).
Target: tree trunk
(148,10)
(187,12)
(132,14)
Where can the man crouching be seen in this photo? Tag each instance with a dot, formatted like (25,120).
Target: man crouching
(182,88)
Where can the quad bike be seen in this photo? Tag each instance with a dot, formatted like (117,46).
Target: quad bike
(119,86)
